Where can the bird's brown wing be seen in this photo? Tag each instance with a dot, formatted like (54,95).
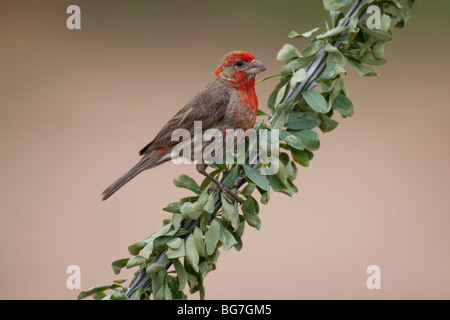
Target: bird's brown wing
(208,106)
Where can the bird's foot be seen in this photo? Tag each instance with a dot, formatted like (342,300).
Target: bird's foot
(226,190)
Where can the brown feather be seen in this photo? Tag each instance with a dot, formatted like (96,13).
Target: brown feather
(209,106)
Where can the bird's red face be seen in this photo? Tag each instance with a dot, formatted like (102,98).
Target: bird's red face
(239,68)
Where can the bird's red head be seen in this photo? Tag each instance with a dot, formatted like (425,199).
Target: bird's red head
(239,68)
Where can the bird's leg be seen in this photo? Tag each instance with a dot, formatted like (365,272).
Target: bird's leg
(218,185)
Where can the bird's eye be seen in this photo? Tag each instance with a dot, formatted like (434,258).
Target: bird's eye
(239,63)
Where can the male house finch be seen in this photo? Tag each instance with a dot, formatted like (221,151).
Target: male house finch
(228,102)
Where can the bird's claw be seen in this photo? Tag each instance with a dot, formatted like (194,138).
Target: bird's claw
(226,190)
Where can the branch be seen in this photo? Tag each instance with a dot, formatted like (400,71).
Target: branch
(318,65)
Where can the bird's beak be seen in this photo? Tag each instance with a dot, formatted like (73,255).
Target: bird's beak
(256,67)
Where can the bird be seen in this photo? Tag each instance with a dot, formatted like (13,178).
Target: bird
(229,101)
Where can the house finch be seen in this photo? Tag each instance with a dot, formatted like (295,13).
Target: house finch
(228,102)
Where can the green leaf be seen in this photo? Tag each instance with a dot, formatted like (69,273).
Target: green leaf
(292,140)
(158,284)
(227,238)
(210,204)
(335,63)
(167,292)
(364,71)
(279,122)
(201,291)
(214,256)
(259,112)
(294,65)
(96,289)
(119,264)
(199,242)
(335,17)
(299,76)
(332,71)
(175,243)
(149,240)
(299,122)
(120,281)
(287,52)
(301,157)
(280,95)
(230,212)
(175,249)
(295,34)
(334,5)
(332,32)
(250,208)
(184,181)
(248,189)
(364,2)
(191,210)
(171,288)
(203,198)
(181,274)
(272,98)
(275,183)
(311,49)
(343,105)
(265,197)
(230,179)
(139,294)
(99,295)
(212,237)
(154,268)
(120,296)
(316,101)
(257,178)
(327,124)
(337,86)
(310,139)
(291,168)
(278,186)
(281,173)
(135,248)
(240,232)
(377,34)
(192,277)
(334,55)
(385,23)
(188,199)
(205,267)
(369,58)
(191,252)
(353,30)
(135,261)
(177,218)
(172,207)
(378,50)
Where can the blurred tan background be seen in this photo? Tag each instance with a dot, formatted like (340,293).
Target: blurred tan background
(77,106)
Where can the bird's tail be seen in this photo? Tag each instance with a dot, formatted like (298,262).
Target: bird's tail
(144,164)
